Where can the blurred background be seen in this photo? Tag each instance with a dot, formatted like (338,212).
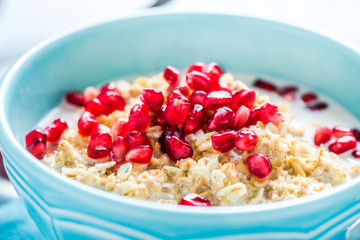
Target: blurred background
(23,24)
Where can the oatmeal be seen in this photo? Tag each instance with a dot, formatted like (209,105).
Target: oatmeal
(204,139)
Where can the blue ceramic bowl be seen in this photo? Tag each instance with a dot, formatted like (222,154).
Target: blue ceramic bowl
(66,209)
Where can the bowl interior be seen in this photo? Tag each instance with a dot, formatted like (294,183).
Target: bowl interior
(148,44)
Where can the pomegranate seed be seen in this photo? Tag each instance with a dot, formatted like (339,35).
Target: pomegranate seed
(141,154)
(177,148)
(217,99)
(198,97)
(139,118)
(244,97)
(213,71)
(270,113)
(240,117)
(223,141)
(309,97)
(75,98)
(356,133)
(198,66)
(254,117)
(90,93)
(99,146)
(221,86)
(343,144)
(172,75)
(339,131)
(37,148)
(171,131)
(318,106)
(356,154)
(198,81)
(322,135)
(95,107)
(109,87)
(55,130)
(183,89)
(112,101)
(246,140)
(221,120)
(118,150)
(288,92)
(152,97)
(196,119)
(35,135)
(193,199)
(174,94)
(136,138)
(87,124)
(119,128)
(259,165)
(265,85)
(160,116)
(177,111)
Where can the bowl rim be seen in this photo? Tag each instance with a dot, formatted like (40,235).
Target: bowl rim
(9,141)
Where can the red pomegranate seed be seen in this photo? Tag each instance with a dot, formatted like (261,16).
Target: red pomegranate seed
(309,97)
(55,130)
(288,92)
(198,81)
(90,93)
(172,75)
(171,131)
(109,87)
(152,97)
(37,148)
(259,165)
(265,85)
(196,119)
(87,124)
(192,199)
(136,138)
(119,128)
(356,154)
(343,144)
(221,86)
(246,140)
(177,148)
(35,135)
(223,141)
(177,111)
(183,89)
(174,94)
(160,117)
(112,101)
(221,120)
(317,106)
(95,107)
(141,154)
(99,146)
(139,118)
(217,99)
(76,98)
(340,131)
(254,117)
(118,150)
(244,97)
(240,117)
(322,135)
(213,71)
(270,113)
(198,66)
(198,97)
(356,133)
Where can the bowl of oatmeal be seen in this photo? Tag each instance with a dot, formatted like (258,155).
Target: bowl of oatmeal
(148,128)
